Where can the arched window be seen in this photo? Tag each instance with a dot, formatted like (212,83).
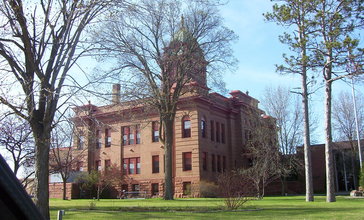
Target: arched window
(186,127)
(203,127)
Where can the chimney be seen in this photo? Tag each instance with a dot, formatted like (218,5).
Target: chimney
(116,93)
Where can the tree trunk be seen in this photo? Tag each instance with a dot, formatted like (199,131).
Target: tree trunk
(283,185)
(64,189)
(330,181)
(168,148)
(41,181)
(306,138)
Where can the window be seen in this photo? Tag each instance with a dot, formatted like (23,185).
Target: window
(79,166)
(218,163)
(204,160)
(155,164)
(125,135)
(155,189)
(212,130)
(155,131)
(213,163)
(125,166)
(130,135)
(186,188)
(223,133)
(107,165)
(137,132)
(187,161)
(217,132)
(138,165)
(107,137)
(98,139)
(223,163)
(135,187)
(98,165)
(186,127)
(131,165)
(203,127)
(80,142)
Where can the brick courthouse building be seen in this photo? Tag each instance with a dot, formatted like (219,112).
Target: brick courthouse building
(210,132)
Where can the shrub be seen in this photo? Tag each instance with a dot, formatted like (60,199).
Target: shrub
(92,206)
(208,189)
(235,189)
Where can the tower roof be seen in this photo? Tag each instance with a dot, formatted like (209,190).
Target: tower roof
(183,34)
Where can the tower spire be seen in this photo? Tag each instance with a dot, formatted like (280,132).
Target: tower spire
(182,21)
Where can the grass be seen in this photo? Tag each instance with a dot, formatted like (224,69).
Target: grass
(291,207)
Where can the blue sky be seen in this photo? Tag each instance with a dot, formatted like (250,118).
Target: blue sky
(258,50)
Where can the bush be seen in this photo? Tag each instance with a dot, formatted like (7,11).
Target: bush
(235,189)
(208,189)
(92,206)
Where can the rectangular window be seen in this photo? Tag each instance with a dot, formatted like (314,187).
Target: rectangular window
(213,163)
(137,132)
(98,139)
(98,165)
(107,137)
(126,131)
(80,142)
(203,128)
(155,189)
(223,163)
(131,165)
(135,187)
(186,188)
(125,166)
(138,165)
(186,129)
(107,165)
(187,161)
(155,131)
(217,132)
(204,161)
(155,164)
(131,135)
(79,166)
(218,163)
(223,133)
(212,130)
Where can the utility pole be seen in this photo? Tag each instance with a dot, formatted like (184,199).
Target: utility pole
(356,122)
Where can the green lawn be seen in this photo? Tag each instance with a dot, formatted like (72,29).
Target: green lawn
(291,207)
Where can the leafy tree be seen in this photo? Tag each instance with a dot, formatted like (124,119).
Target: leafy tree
(163,58)
(39,44)
(298,14)
(337,22)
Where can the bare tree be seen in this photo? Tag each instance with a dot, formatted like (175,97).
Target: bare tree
(39,44)
(63,158)
(263,153)
(344,124)
(163,58)
(285,108)
(16,138)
